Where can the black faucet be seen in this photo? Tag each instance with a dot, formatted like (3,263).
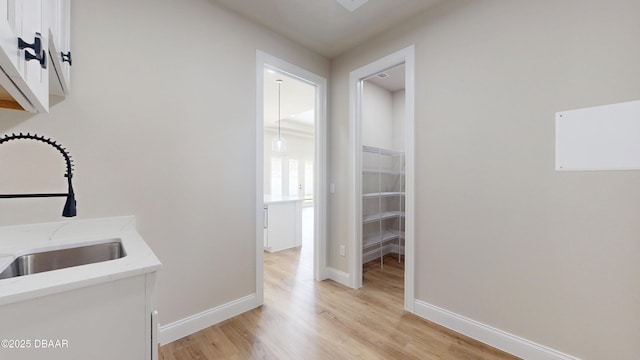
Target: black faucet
(70,205)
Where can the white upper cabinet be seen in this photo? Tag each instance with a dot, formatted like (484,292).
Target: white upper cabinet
(59,14)
(35,53)
(24,40)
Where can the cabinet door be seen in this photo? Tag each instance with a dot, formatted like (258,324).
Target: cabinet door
(26,79)
(10,96)
(8,38)
(35,75)
(110,324)
(59,14)
(282,226)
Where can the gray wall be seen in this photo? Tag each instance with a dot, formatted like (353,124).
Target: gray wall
(501,237)
(161,123)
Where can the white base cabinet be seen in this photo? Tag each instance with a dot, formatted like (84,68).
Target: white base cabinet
(112,320)
(283,225)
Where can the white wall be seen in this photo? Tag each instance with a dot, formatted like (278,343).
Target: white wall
(399,120)
(161,123)
(383,117)
(501,237)
(377,116)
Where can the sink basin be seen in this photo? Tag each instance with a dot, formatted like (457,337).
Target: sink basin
(64,258)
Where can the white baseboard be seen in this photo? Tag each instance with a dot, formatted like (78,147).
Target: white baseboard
(194,323)
(339,276)
(497,338)
(373,254)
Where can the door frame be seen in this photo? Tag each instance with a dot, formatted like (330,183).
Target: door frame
(263,60)
(404,56)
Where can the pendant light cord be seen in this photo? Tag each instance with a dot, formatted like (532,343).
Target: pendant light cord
(279,84)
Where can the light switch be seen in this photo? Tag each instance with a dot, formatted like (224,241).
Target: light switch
(332,188)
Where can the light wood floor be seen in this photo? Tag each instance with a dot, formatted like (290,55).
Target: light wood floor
(304,319)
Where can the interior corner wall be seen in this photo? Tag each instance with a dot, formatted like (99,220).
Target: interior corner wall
(502,238)
(161,124)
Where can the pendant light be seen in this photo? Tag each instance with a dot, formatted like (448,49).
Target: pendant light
(279,144)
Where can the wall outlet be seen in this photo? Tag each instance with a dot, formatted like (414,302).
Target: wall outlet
(341,250)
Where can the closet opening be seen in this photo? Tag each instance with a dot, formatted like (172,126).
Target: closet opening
(382,186)
(383,174)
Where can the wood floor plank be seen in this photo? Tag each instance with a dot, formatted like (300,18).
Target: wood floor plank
(305,319)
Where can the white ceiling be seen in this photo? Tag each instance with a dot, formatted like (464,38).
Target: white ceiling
(324,25)
(297,103)
(394,80)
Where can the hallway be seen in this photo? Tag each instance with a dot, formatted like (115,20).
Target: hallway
(305,319)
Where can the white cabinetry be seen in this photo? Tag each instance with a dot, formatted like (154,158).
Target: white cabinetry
(35,53)
(382,203)
(112,320)
(59,14)
(283,225)
(23,74)
(104,310)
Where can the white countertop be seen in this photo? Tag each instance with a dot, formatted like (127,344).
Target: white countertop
(269,199)
(24,239)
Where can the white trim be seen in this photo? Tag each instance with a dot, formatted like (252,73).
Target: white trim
(404,56)
(355,163)
(355,190)
(194,323)
(320,182)
(496,338)
(259,176)
(338,276)
(410,188)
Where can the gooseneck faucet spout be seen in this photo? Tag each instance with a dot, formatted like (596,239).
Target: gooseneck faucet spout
(70,205)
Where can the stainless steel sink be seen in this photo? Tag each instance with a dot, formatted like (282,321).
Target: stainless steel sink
(64,258)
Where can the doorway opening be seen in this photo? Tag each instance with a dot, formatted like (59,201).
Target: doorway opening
(382,170)
(291,165)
